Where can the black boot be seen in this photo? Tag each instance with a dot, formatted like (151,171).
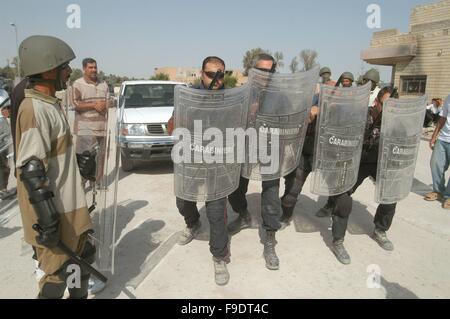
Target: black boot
(272,261)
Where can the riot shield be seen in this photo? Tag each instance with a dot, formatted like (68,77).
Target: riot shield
(5,129)
(5,135)
(339,138)
(96,132)
(279,112)
(209,169)
(401,130)
(68,106)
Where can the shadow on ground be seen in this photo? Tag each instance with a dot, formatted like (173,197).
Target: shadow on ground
(306,221)
(420,188)
(396,291)
(132,250)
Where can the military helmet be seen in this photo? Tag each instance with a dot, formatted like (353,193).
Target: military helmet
(372,75)
(348,75)
(40,53)
(324,70)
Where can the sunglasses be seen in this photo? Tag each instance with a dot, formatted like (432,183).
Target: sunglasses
(212,75)
(266,70)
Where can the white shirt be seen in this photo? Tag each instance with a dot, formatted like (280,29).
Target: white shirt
(444,135)
(373,96)
(433,108)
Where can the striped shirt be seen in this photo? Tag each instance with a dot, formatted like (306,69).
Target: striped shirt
(90,122)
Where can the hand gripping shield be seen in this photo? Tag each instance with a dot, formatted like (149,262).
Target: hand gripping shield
(206,165)
(279,113)
(401,130)
(339,138)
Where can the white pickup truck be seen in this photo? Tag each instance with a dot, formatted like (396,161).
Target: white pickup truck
(145,107)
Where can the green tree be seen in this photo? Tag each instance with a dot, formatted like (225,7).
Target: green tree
(76,74)
(230,81)
(8,72)
(160,77)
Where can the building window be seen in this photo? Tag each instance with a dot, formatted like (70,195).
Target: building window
(413,85)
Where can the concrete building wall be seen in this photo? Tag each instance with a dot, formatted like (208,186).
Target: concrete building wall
(432,60)
(429,43)
(430,23)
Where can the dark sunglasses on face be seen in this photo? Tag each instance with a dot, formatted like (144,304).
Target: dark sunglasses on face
(266,70)
(220,75)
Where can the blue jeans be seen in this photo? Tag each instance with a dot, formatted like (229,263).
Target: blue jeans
(440,160)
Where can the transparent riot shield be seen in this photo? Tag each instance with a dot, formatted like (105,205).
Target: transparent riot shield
(339,138)
(5,135)
(96,132)
(205,160)
(68,106)
(279,112)
(401,130)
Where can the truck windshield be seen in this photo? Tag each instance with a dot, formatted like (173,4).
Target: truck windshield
(148,95)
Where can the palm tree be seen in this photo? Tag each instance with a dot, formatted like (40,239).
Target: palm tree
(278,56)
(294,65)
(308,58)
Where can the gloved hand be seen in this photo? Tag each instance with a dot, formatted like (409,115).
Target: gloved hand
(48,234)
(87,165)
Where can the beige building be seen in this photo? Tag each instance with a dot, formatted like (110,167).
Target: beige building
(190,75)
(420,59)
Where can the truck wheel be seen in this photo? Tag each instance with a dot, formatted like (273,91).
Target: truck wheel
(127,164)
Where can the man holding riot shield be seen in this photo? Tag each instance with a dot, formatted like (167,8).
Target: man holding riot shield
(294,181)
(279,105)
(205,108)
(372,76)
(52,202)
(389,155)
(337,154)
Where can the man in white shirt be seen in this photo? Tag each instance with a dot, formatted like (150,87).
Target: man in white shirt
(440,160)
(372,76)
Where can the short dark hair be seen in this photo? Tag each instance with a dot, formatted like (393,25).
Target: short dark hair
(213,59)
(88,60)
(265,57)
(383,91)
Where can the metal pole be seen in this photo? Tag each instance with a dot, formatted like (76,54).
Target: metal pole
(17,50)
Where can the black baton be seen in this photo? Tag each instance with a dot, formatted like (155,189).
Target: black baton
(77,259)
(81,262)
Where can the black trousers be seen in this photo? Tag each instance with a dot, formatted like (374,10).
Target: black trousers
(343,206)
(4,170)
(270,202)
(293,183)
(216,212)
